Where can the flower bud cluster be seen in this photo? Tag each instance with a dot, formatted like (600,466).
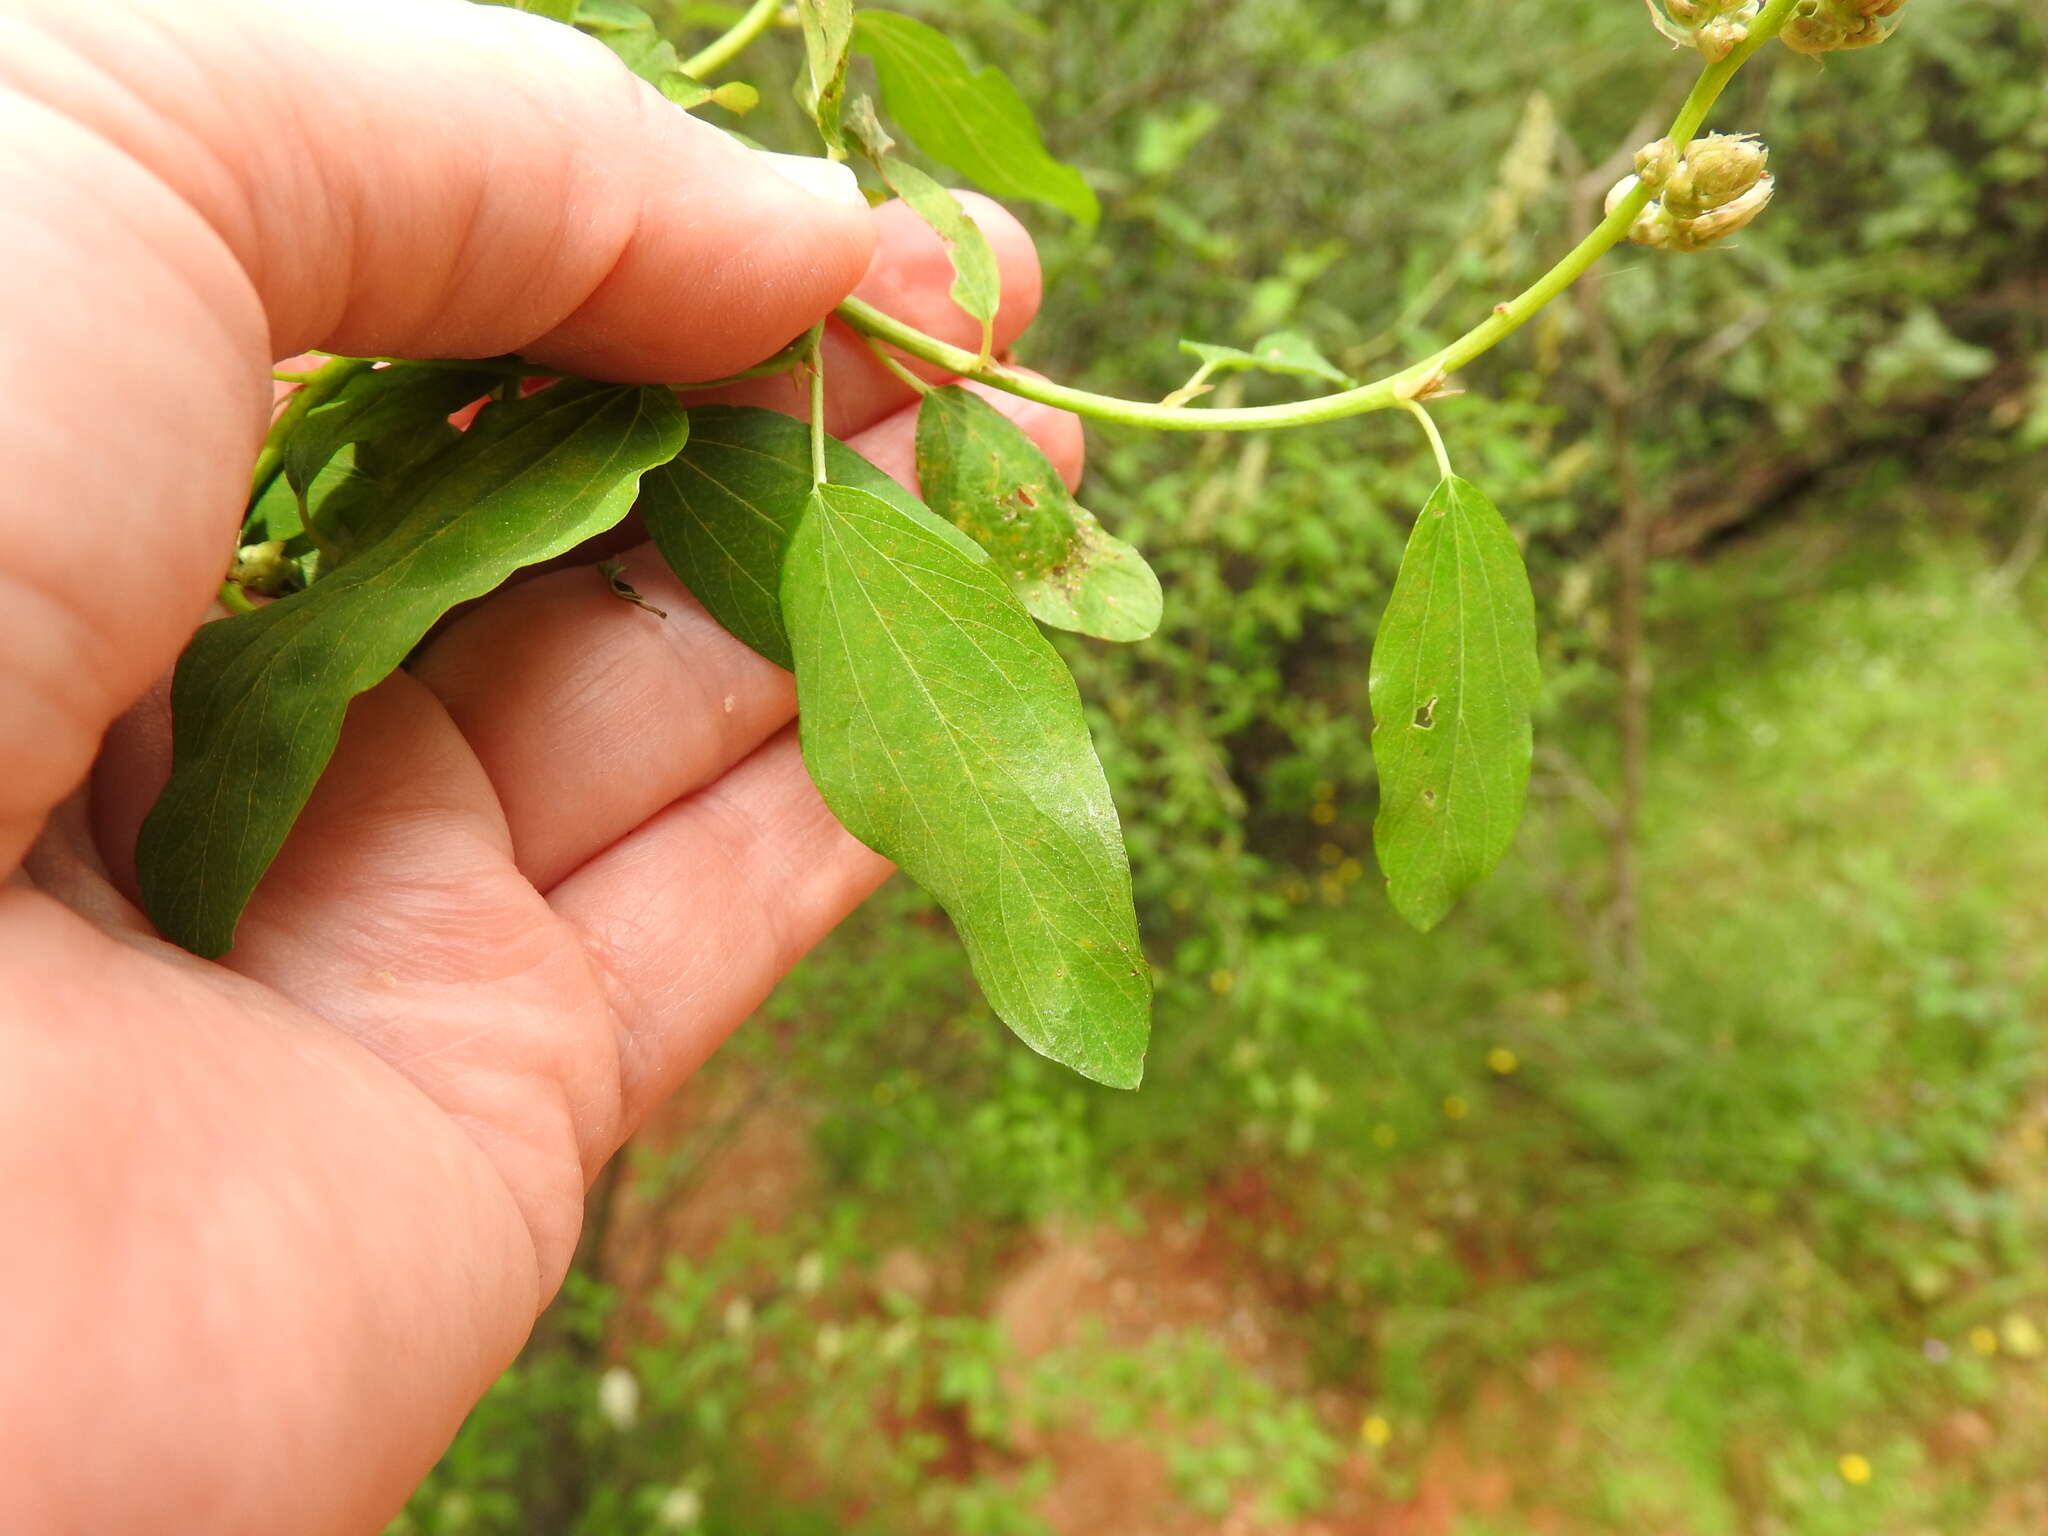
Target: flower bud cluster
(1715,27)
(1822,26)
(1716,186)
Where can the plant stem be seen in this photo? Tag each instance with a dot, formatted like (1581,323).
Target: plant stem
(817,364)
(922,386)
(1410,383)
(1436,438)
(728,45)
(234,599)
(322,385)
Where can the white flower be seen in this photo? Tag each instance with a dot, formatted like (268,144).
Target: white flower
(618,1397)
(810,1274)
(679,1509)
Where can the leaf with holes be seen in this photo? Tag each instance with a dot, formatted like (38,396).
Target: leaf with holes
(722,512)
(257,701)
(970,119)
(1454,680)
(828,35)
(977,280)
(984,475)
(945,733)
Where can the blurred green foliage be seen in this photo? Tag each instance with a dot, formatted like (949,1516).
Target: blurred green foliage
(1759,1245)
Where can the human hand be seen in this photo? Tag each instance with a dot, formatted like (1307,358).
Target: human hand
(272,1225)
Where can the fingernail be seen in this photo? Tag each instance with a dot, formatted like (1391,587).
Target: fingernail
(833,180)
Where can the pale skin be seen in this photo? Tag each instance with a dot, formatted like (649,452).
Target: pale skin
(269,1227)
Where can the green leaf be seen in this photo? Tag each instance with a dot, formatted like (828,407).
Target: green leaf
(722,512)
(600,16)
(357,510)
(981,472)
(828,33)
(970,119)
(275,513)
(632,34)
(1454,679)
(977,281)
(1281,352)
(258,700)
(377,403)
(943,731)
(554,10)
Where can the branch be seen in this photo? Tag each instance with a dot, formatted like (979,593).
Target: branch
(1413,382)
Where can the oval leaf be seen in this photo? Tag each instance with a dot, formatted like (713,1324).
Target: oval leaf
(258,700)
(723,510)
(970,119)
(981,472)
(1454,679)
(944,732)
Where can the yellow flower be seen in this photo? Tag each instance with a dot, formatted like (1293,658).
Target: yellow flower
(2022,1337)
(1455,1107)
(1502,1060)
(1375,1431)
(1984,1340)
(1322,813)
(1855,1469)
(1222,983)
(1383,1135)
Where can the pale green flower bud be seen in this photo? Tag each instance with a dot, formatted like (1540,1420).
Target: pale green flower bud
(1824,26)
(1655,228)
(1654,164)
(1717,224)
(1716,170)
(1714,27)
(1717,39)
(261,567)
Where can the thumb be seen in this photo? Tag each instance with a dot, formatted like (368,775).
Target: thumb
(197,188)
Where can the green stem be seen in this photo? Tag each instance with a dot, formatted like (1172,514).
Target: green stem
(1436,438)
(322,385)
(817,340)
(1410,383)
(921,386)
(235,600)
(728,45)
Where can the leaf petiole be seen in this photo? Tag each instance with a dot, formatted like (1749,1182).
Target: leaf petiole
(882,356)
(1436,438)
(819,476)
